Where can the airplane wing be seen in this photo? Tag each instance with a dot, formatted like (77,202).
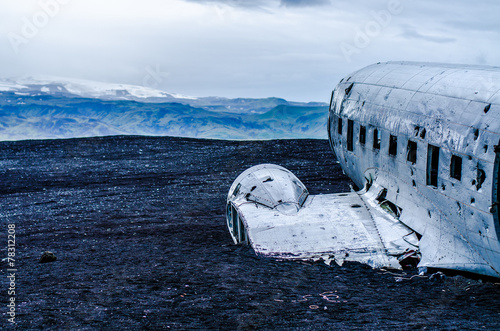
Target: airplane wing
(271,210)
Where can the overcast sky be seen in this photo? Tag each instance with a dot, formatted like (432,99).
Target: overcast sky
(295,49)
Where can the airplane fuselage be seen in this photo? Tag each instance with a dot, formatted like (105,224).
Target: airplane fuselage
(426,138)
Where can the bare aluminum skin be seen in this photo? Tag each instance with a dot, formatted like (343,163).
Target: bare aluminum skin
(451,215)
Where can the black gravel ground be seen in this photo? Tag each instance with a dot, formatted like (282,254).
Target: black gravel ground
(137,225)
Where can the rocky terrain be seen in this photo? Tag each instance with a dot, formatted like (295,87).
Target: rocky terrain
(138,229)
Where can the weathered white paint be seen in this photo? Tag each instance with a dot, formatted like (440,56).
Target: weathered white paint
(270,203)
(459,109)
(454,108)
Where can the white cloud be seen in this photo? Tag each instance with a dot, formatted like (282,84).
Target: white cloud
(242,48)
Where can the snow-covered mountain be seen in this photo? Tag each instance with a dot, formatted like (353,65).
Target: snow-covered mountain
(45,108)
(86,89)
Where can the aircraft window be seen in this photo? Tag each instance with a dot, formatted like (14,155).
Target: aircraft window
(393,145)
(236,190)
(339,126)
(328,126)
(331,122)
(236,225)
(350,135)
(412,152)
(362,134)
(233,221)
(432,165)
(242,233)
(230,216)
(377,137)
(456,167)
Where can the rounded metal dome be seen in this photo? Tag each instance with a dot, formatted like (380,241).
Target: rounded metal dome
(270,185)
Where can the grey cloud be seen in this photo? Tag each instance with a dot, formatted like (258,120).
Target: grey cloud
(260,3)
(236,3)
(304,3)
(412,33)
(482,25)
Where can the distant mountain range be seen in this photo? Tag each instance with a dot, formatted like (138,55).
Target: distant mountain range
(47,108)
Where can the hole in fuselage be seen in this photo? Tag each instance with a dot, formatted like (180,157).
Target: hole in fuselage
(391,208)
(382,195)
(481,177)
(487,108)
(348,89)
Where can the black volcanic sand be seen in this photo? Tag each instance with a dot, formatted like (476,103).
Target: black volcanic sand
(137,225)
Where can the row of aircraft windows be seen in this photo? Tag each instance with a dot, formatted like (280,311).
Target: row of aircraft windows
(411,152)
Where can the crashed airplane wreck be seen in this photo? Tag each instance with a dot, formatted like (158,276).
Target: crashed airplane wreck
(421,141)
